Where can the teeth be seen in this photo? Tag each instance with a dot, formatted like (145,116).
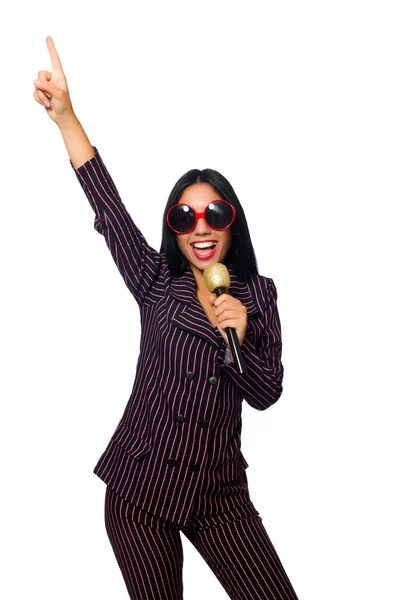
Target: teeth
(204,244)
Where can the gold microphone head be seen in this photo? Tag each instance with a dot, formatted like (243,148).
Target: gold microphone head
(216,275)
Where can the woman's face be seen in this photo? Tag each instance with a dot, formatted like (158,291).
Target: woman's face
(198,196)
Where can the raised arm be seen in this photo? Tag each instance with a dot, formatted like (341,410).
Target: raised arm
(138,263)
(51,91)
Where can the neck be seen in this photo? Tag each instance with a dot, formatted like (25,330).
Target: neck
(198,274)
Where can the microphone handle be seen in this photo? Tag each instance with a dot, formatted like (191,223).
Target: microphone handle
(233,341)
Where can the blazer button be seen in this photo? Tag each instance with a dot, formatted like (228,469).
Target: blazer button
(172,462)
(213,380)
(203,422)
(190,375)
(180,418)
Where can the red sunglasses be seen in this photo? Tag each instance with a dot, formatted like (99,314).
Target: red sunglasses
(219,214)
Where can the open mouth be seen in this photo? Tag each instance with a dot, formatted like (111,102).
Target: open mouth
(204,251)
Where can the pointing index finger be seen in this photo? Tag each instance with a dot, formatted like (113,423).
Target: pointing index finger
(55,61)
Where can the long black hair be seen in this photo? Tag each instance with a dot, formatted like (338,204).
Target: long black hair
(241,252)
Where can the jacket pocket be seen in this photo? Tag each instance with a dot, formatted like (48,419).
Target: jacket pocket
(231,469)
(130,441)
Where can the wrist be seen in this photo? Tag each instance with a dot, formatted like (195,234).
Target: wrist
(67,121)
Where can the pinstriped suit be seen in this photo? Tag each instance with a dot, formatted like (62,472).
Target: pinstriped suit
(176,451)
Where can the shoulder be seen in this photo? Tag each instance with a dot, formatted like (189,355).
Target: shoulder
(264,290)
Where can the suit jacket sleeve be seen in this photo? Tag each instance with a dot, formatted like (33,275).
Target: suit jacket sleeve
(262,386)
(138,263)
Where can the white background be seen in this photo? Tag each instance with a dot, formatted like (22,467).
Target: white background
(295,103)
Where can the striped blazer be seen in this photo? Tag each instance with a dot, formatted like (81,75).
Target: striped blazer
(180,433)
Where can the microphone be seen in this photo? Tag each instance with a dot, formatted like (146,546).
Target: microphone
(217,279)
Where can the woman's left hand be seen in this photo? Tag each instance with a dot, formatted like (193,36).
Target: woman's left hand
(230,312)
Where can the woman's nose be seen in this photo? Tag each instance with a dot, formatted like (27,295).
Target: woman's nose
(202,225)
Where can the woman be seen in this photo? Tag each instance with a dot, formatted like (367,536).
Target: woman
(174,461)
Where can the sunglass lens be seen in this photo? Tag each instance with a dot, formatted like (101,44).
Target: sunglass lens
(219,214)
(181,218)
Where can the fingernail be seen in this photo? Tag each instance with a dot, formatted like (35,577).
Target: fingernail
(36,82)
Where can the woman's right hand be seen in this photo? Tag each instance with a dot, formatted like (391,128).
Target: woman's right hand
(51,89)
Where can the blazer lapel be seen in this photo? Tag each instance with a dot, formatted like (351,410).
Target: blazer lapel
(190,314)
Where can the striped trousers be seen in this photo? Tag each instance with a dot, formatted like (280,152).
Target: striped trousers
(235,545)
